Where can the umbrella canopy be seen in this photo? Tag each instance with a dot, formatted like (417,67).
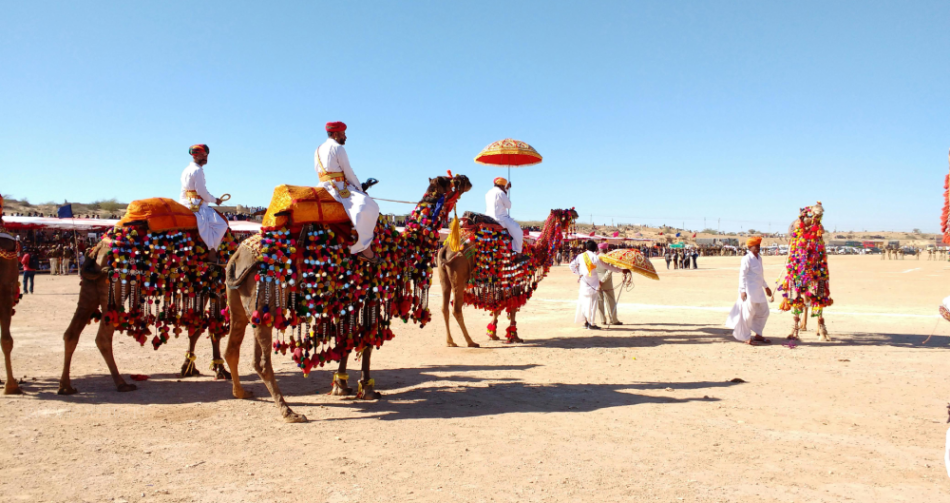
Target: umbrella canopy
(632,260)
(508,152)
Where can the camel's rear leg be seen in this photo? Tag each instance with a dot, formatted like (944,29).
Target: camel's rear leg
(446,300)
(367,388)
(232,355)
(189,369)
(262,364)
(511,335)
(493,326)
(6,340)
(217,364)
(340,386)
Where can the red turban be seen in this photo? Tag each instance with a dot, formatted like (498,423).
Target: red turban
(501,182)
(753,241)
(201,146)
(333,127)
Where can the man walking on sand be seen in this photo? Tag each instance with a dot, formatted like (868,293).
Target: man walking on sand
(751,310)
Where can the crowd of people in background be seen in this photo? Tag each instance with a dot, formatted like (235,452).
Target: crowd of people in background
(50,215)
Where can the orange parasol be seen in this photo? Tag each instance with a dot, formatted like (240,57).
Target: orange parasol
(509,152)
(632,260)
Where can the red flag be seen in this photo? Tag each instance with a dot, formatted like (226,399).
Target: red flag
(591,234)
(694,234)
(661,233)
(616,233)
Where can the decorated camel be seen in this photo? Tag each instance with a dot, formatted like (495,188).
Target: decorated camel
(298,276)
(151,272)
(805,284)
(9,297)
(484,272)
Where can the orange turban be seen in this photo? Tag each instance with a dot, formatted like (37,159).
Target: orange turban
(200,146)
(501,182)
(753,241)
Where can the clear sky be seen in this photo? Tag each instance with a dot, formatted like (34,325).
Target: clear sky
(645,112)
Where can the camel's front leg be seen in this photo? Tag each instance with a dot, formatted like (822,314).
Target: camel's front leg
(446,300)
(493,326)
(232,354)
(340,378)
(459,293)
(217,364)
(6,340)
(92,295)
(367,387)
(822,331)
(262,364)
(511,334)
(188,369)
(104,343)
(805,314)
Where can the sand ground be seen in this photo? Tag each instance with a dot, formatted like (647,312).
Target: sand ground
(642,412)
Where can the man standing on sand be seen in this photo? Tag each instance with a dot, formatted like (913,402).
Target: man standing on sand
(29,262)
(497,206)
(607,301)
(585,265)
(751,310)
(339,180)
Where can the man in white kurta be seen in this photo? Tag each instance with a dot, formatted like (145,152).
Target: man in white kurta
(339,180)
(497,206)
(195,195)
(585,265)
(751,310)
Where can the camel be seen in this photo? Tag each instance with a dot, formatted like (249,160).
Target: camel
(806,282)
(456,268)
(341,317)
(9,296)
(190,302)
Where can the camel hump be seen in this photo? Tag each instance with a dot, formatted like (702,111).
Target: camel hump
(293,205)
(160,214)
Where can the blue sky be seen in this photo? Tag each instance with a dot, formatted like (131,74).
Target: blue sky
(645,112)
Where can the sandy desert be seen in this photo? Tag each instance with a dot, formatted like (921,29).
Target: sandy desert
(648,411)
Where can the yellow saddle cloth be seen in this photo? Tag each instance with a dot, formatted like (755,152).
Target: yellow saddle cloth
(161,214)
(292,206)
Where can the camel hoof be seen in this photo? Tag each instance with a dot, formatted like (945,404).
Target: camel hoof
(451,344)
(494,337)
(293,417)
(68,390)
(12,390)
(370,394)
(122,388)
(193,372)
(242,394)
(341,390)
(221,374)
(473,345)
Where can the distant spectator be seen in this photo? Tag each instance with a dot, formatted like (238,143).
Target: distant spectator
(30,264)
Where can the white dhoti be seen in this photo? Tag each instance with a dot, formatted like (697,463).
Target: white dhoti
(362,210)
(517,235)
(211,226)
(607,301)
(747,317)
(586,304)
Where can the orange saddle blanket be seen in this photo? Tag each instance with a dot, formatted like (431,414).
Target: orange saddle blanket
(293,206)
(161,214)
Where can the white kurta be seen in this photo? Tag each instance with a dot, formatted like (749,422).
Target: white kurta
(362,209)
(750,315)
(211,225)
(497,205)
(589,286)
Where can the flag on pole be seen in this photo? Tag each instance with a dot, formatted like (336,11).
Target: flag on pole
(65,211)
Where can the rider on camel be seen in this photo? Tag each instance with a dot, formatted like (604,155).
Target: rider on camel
(194,194)
(497,206)
(338,179)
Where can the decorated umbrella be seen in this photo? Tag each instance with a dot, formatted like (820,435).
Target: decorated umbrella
(632,260)
(509,152)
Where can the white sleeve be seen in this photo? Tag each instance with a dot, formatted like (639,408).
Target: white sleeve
(504,199)
(744,275)
(609,267)
(201,188)
(575,265)
(344,161)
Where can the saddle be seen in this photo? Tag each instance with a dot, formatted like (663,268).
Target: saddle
(294,206)
(472,221)
(159,214)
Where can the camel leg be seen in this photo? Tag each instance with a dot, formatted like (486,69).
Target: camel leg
(367,384)
(232,355)
(459,318)
(104,343)
(262,364)
(446,300)
(217,364)
(511,335)
(795,328)
(493,326)
(340,378)
(6,340)
(822,330)
(188,369)
(805,313)
(89,300)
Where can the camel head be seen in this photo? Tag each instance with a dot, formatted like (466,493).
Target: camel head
(461,184)
(564,218)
